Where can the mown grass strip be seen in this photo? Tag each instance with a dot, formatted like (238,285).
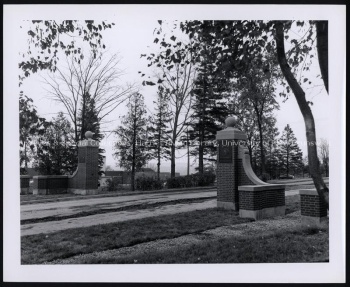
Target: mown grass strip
(292,246)
(36,249)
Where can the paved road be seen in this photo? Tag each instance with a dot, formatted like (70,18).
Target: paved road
(65,208)
(48,227)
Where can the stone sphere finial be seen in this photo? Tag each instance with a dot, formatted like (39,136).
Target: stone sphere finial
(88,135)
(231,122)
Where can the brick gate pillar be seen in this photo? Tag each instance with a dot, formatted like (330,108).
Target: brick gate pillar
(227,164)
(85,178)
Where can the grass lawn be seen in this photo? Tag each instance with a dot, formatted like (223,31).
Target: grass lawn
(296,244)
(36,249)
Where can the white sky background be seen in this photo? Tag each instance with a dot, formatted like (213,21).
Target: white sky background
(130,39)
(137,23)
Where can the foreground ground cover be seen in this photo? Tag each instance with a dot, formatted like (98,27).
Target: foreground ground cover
(36,249)
(191,237)
(296,245)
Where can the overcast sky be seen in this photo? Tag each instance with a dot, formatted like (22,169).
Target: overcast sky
(133,36)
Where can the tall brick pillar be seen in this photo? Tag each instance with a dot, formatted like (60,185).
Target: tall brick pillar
(85,178)
(227,165)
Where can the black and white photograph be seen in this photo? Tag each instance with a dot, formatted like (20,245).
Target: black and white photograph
(174,143)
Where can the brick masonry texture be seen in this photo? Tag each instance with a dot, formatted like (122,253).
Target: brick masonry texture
(311,205)
(228,182)
(243,179)
(256,200)
(25,182)
(87,174)
(225,182)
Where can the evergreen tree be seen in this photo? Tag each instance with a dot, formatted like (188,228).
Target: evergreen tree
(131,149)
(89,121)
(56,154)
(291,157)
(159,130)
(209,109)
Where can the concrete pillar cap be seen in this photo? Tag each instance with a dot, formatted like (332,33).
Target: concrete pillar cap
(88,135)
(231,122)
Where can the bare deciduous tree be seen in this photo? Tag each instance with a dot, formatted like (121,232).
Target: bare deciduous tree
(323,148)
(97,77)
(178,83)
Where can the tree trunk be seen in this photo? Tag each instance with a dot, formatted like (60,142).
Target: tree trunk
(172,159)
(188,154)
(200,158)
(158,152)
(322,49)
(172,150)
(25,155)
(287,162)
(299,94)
(134,152)
(261,144)
(82,131)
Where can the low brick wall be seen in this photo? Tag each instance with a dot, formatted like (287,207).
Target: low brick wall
(24,184)
(313,210)
(261,201)
(50,184)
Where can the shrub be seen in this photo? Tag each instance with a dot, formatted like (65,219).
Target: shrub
(265,176)
(148,183)
(192,180)
(112,184)
(174,182)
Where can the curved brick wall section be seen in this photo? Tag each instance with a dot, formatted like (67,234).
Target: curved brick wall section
(238,186)
(83,181)
(50,184)
(85,178)
(243,179)
(24,184)
(254,200)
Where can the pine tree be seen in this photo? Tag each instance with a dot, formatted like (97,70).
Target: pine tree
(131,149)
(55,149)
(89,121)
(291,157)
(209,109)
(159,130)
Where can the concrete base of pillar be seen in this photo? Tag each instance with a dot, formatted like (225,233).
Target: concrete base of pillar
(49,191)
(263,213)
(83,191)
(226,205)
(312,221)
(24,190)
(39,191)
